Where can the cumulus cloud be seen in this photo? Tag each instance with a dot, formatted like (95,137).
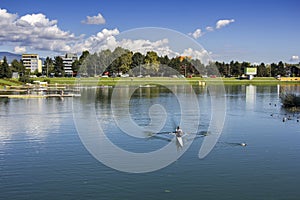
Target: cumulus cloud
(19,50)
(209,28)
(197,33)
(202,55)
(34,30)
(220,24)
(223,22)
(104,39)
(99,19)
(6,18)
(37,32)
(35,20)
(294,58)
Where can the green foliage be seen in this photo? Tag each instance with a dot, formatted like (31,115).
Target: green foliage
(262,70)
(123,60)
(25,79)
(48,66)
(17,66)
(58,66)
(290,100)
(137,59)
(5,71)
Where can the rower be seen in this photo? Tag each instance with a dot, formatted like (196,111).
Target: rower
(178,132)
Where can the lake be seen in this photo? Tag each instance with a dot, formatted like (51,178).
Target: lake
(42,155)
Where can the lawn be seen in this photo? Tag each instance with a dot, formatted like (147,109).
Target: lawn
(150,80)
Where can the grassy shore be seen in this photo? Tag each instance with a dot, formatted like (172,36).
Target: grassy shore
(151,80)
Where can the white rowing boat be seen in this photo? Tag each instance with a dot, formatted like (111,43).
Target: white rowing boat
(180,141)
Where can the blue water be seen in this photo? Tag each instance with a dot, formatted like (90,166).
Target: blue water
(42,156)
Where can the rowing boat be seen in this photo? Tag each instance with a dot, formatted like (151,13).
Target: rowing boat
(180,141)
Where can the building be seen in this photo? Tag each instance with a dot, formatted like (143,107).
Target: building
(68,60)
(32,62)
(295,70)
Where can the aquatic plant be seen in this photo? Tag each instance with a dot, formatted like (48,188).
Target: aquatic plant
(290,101)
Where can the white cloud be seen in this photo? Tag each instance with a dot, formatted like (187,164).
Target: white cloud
(294,58)
(102,40)
(6,18)
(223,22)
(202,55)
(36,20)
(35,31)
(209,28)
(197,33)
(19,50)
(99,19)
(106,39)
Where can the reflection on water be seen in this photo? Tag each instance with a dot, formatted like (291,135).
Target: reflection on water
(250,96)
(41,156)
(32,119)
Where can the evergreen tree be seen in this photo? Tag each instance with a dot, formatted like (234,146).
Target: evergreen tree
(5,71)
(58,66)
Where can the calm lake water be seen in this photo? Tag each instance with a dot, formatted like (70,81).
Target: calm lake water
(42,156)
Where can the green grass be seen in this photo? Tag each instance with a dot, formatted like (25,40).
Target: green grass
(151,80)
(10,82)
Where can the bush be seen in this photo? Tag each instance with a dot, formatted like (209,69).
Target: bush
(47,80)
(290,100)
(25,79)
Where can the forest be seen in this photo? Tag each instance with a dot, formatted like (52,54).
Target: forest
(123,61)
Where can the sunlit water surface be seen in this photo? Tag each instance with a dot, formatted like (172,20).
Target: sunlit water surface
(42,156)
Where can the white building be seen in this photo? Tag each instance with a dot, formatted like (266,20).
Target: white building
(68,60)
(32,62)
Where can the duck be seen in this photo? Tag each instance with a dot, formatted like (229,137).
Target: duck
(284,119)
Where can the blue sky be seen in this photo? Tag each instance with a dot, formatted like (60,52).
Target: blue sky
(255,31)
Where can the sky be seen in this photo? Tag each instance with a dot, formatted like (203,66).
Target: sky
(250,30)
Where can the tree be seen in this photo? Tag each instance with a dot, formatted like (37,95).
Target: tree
(151,62)
(212,69)
(48,66)
(274,69)
(125,62)
(17,66)
(201,70)
(84,55)
(281,69)
(5,71)
(137,60)
(236,69)
(245,65)
(175,63)
(222,68)
(59,66)
(262,70)
(164,60)
(77,65)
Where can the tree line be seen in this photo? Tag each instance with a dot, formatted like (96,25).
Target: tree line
(122,61)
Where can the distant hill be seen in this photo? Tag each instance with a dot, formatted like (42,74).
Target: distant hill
(10,56)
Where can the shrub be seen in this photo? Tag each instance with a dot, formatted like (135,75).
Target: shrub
(290,100)
(25,79)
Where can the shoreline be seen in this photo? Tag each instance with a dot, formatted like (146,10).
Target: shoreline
(5,84)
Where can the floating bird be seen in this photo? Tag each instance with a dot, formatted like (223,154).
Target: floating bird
(284,119)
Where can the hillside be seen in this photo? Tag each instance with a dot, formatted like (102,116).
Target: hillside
(10,56)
